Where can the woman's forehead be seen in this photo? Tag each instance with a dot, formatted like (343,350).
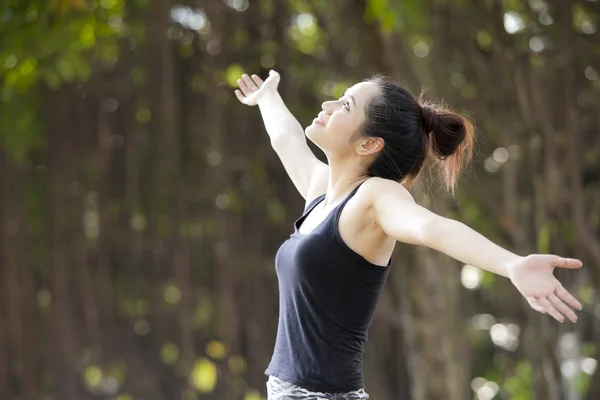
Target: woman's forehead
(363,91)
(361,86)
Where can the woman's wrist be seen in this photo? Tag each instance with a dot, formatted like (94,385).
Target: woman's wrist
(268,97)
(511,265)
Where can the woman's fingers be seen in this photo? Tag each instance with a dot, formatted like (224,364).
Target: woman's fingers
(243,87)
(562,307)
(565,296)
(570,263)
(549,309)
(240,96)
(249,83)
(553,306)
(247,86)
(257,80)
(534,304)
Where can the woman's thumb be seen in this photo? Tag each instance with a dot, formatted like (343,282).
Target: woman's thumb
(274,74)
(274,77)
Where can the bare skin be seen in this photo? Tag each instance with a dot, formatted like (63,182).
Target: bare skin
(383,212)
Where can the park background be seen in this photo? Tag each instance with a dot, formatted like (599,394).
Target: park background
(141,205)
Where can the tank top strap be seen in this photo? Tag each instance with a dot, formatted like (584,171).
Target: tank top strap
(334,222)
(341,206)
(313,204)
(307,210)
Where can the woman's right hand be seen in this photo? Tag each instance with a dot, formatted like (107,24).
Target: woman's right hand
(253,88)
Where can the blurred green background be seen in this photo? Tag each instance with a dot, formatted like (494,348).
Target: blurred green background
(141,205)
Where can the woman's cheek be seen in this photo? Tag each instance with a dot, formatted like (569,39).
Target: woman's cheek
(336,120)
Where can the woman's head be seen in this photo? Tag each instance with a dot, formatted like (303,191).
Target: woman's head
(393,132)
(335,127)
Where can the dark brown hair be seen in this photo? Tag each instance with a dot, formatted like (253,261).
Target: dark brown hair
(412,129)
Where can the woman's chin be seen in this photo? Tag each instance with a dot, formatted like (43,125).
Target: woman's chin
(317,139)
(311,129)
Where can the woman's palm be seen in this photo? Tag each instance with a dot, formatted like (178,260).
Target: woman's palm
(534,279)
(252,88)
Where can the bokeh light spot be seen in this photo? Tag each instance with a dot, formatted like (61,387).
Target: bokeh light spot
(204,375)
(169,353)
(216,349)
(471,276)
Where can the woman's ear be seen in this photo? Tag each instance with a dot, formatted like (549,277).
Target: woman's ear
(370,145)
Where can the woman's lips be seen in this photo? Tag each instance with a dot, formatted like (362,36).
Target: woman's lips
(318,122)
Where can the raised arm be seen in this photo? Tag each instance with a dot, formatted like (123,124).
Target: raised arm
(403,220)
(308,174)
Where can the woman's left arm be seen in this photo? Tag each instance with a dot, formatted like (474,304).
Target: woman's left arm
(403,220)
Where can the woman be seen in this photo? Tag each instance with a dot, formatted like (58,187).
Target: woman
(332,268)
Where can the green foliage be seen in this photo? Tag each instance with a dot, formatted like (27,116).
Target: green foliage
(276,212)
(93,376)
(484,39)
(55,42)
(586,294)
(583,20)
(305,33)
(380,10)
(203,312)
(589,349)
(253,395)
(543,244)
(42,41)
(519,385)
(582,383)
(237,364)
(397,15)
(20,129)
(135,308)
(513,5)
(169,353)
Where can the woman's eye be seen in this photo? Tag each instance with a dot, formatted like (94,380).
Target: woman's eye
(347,105)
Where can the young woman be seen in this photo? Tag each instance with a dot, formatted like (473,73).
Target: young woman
(332,268)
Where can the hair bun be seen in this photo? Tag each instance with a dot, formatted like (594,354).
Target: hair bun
(429,117)
(446,130)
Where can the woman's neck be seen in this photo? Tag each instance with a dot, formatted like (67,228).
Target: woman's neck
(344,176)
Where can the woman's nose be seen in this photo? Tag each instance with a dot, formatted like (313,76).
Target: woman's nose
(328,106)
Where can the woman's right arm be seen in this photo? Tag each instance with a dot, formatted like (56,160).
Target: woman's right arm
(308,174)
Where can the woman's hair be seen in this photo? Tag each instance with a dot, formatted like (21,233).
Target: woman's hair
(411,130)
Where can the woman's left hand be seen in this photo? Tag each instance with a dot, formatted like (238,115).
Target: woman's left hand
(533,277)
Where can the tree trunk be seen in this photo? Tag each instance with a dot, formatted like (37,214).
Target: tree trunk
(56,126)
(5,343)
(433,325)
(164,144)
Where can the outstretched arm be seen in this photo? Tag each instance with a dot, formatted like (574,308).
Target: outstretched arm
(287,136)
(402,219)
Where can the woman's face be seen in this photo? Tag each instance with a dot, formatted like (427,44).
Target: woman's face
(337,124)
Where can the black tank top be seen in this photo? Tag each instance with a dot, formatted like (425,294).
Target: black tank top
(327,296)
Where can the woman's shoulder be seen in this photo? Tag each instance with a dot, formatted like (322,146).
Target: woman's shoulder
(376,188)
(372,192)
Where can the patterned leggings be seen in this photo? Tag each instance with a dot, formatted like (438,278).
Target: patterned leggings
(281,390)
